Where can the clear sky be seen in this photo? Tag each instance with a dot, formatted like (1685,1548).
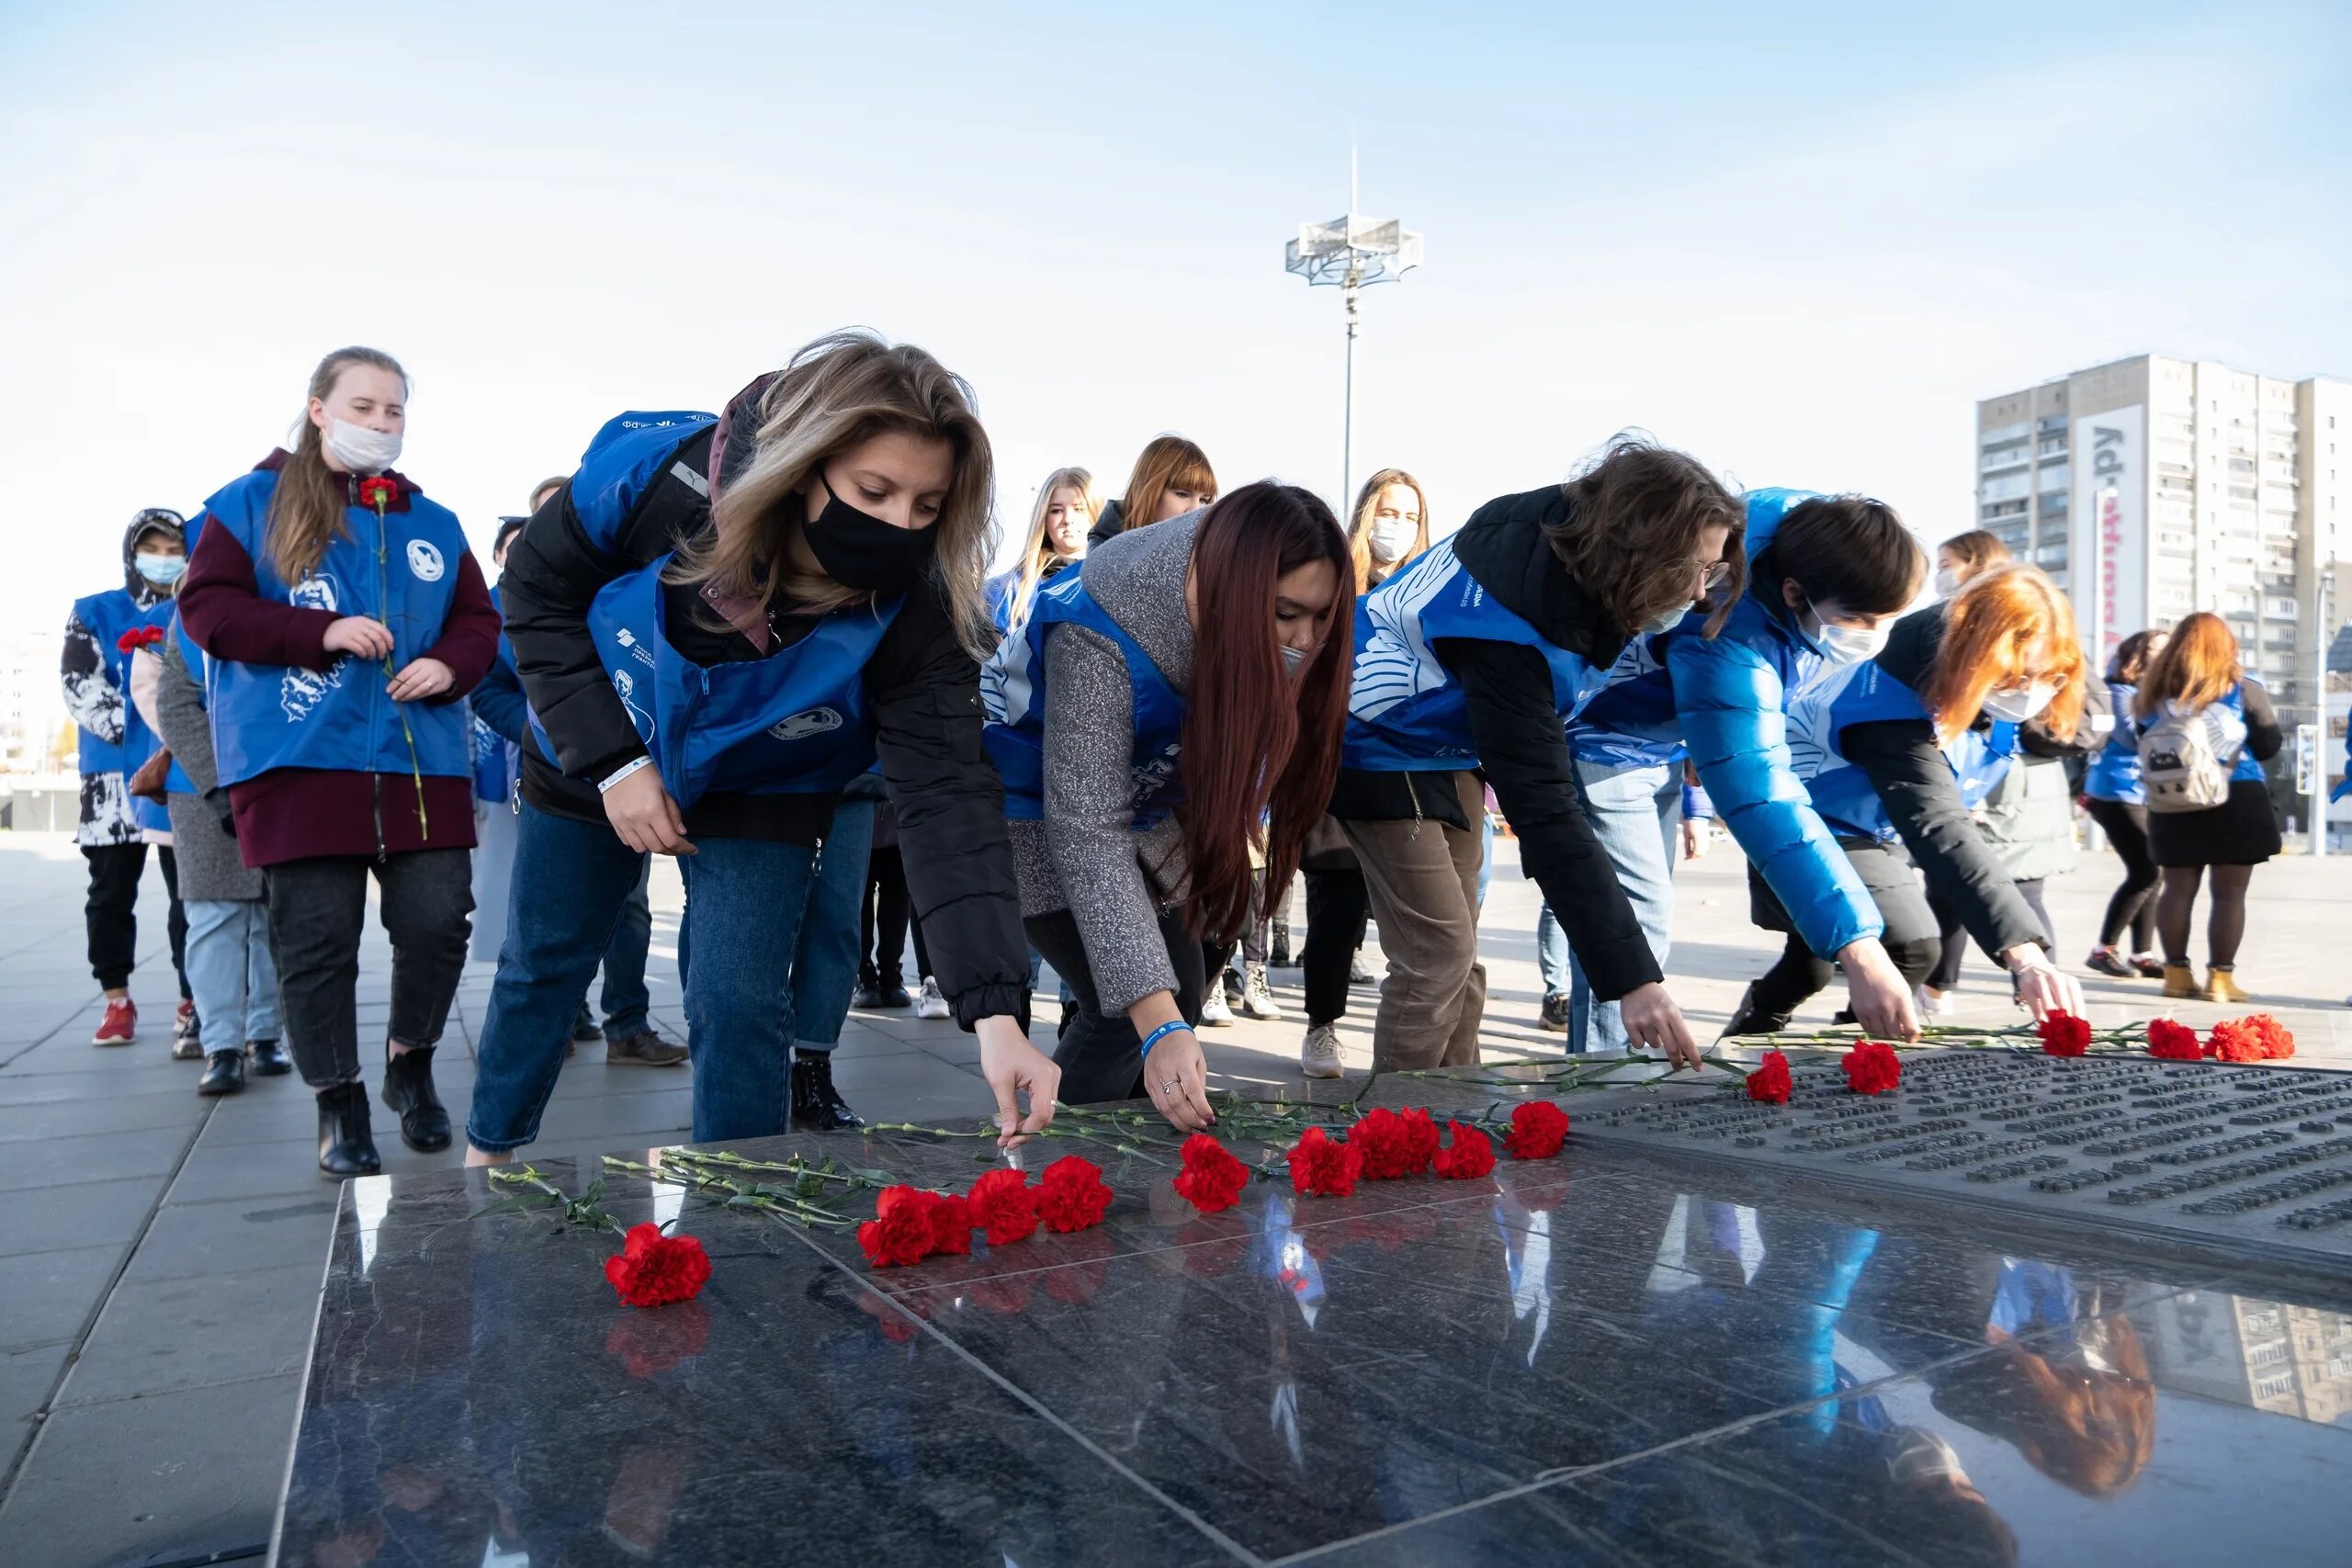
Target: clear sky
(1798,240)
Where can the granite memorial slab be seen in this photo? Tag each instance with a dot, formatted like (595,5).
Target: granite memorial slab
(1662,1346)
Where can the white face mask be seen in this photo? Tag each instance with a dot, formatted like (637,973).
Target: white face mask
(1294,662)
(1658,624)
(1391,537)
(2020,706)
(1947,582)
(1844,644)
(360,449)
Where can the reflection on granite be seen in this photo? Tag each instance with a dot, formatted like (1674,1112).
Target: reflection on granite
(1605,1356)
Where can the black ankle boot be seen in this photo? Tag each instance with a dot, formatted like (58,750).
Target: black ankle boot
(408,1093)
(224,1073)
(817,1105)
(1747,1019)
(268,1058)
(346,1145)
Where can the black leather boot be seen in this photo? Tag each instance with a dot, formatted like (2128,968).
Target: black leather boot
(408,1092)
(268,1058)
(346,1145)
(817,1105)
(224,1073)
(1747,1019)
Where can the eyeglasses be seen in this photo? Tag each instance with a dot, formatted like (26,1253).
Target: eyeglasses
(1713,575)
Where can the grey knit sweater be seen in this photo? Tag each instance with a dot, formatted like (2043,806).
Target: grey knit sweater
(1086,856)
(209,865)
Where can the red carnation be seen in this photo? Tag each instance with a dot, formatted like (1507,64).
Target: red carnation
(1537,1130)
(1771,1082)
(378,493)
(653,1269)
(1424,1129)
(1872,1069)
(1004,1205)
(2063,1034)
(2173,1042)
(951,1223)
(1319,1165)
(138,637)
(900,1232)
(1472,1152)
(2278,1040)
(2239,1041)
(1212,1179)
(1071,1195)
(1390,1147)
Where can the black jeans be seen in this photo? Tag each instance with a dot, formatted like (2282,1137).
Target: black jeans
(884,915)
(317,911)
(1101,1058)
(111,911)
(2134,903)
(1954,933)
(1338,909)
(1910,937)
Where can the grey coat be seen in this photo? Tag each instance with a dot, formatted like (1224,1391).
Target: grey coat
(1086,857)
(210,865)
(2030,820)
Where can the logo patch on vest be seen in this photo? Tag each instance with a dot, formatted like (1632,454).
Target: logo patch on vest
(801,726)
(299,689)
(636,650)
(424,560)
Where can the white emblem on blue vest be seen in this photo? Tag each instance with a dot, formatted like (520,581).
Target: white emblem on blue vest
(425,561)
(801,726)
(299,691)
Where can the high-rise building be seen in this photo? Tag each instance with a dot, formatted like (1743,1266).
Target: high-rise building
(2153,487)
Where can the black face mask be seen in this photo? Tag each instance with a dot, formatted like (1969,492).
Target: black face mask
(859,551)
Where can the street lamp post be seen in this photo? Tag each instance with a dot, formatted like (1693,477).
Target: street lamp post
(1351,254)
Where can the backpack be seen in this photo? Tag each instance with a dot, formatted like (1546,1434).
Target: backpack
(2185,759)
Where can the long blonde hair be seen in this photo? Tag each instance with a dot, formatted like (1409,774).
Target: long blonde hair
(1360,525)
(1038,552)
(306,509)
(843,389)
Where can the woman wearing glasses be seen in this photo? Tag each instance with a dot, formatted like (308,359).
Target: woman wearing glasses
(1471,660)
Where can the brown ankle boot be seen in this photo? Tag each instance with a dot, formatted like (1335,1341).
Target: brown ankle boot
(2222,985)
(2180,981)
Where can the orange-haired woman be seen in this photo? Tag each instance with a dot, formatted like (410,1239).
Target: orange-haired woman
(1901,747)
(2205,730)
(1172,476)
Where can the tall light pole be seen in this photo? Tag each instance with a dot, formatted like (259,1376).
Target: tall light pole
(1351,254)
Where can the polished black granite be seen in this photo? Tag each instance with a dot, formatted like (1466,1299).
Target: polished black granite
(1609,1357)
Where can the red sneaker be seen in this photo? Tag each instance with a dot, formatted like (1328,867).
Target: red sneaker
(120,1025)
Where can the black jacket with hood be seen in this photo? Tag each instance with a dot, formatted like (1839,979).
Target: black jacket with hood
(1523,746)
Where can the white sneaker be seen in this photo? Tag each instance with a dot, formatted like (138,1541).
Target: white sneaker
(1318,1056)
(1215,1014)
(1359,971)
(1933,1006)
(1257,996)
(929,1003)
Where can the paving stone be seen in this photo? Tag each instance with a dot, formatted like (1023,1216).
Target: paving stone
(158,1335)
(53,1295)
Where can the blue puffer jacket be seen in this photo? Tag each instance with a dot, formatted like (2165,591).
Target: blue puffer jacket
(1731,692)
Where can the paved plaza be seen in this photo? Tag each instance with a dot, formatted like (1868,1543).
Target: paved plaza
(162,1255)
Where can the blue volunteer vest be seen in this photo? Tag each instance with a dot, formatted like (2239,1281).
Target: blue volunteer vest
(1631,721)
(1013,689)
(109,617)
(2114,770)
(496,761)
(1865,693)
(796,722)
(1406,712)
(403,572)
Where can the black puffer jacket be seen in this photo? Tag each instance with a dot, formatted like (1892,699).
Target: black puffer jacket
(1110,524)
(924,688)
(1522,746)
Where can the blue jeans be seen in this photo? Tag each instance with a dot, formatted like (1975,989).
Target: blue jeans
(1634,809)
(571,881)
(625,998)
(232,971)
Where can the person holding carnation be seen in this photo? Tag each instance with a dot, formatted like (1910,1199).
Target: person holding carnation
(721,622)
(1167,714)
(343,618)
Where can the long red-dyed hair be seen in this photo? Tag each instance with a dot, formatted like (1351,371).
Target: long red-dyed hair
(2197,669)
(2007,626)
(1261,751)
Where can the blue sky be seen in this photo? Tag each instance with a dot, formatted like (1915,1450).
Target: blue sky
(1800,240)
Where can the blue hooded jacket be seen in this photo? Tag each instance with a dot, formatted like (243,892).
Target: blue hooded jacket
(1730,694)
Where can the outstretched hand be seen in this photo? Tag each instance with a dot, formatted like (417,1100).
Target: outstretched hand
(1012,1067)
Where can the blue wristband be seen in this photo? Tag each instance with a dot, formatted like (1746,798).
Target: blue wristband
(1171,1027)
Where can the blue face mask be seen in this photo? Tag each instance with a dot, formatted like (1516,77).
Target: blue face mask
(161,571)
